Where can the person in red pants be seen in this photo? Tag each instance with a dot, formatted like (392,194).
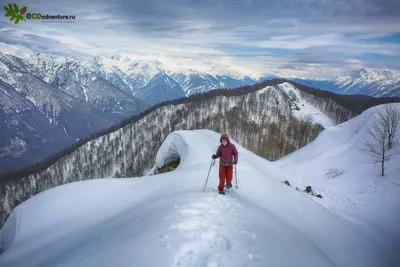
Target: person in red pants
(228,156)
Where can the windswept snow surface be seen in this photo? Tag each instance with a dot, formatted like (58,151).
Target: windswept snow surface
(166,219)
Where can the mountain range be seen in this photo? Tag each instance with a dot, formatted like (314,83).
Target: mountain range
(184,223)
(50,102)
(133,75)
(381,83)
(67,99)
(270,119)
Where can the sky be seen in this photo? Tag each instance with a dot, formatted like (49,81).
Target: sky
(293,38)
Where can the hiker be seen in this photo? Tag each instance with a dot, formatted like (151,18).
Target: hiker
(228,156)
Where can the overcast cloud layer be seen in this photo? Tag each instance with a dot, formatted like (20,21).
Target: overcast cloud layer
(309,38)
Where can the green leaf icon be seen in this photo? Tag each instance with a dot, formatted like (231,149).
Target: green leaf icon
(12,11)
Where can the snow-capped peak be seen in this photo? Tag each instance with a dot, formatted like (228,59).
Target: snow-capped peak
(148,69)
(369,76)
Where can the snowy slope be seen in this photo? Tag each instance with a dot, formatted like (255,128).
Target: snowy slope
(359,193)
(302,108)
(165,220)
(26,135)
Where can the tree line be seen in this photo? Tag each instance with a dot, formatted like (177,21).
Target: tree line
(129,148)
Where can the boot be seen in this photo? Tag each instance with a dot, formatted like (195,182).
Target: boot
(221,192)
(228,186)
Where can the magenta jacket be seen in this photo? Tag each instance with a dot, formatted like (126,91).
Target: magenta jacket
(226,153)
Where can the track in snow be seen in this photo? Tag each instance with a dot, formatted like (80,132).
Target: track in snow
(210,223)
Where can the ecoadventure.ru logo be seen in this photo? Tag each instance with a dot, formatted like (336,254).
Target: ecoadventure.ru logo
(15,14)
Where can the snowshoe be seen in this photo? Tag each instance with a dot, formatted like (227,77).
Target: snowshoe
(221,192)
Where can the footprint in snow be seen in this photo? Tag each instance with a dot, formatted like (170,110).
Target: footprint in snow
(211,250)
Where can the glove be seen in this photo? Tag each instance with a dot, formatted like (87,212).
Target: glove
(214,156)
(235,162)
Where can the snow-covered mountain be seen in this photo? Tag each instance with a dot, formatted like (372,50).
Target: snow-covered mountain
(147,81)
(193,82)
(110,73)
(234,83)
(63,119)
(166,220)
(140,73)
(75,79)
(369,82)
(160,88)
(73,101)
(125,72)
(382,83)
(275,116)
(128,75)
(303,107)
(26,134)
(108,85)
(117,87)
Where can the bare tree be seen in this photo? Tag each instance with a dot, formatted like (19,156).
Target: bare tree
(390,116)
(380,143)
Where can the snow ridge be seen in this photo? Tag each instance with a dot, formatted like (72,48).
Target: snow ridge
(167,221)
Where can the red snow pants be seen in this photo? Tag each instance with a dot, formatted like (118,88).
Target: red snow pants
(225,172)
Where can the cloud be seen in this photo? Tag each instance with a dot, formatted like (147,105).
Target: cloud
(36,43)
(256,35)
(14,49)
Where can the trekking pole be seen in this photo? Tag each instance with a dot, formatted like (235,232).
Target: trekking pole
(212,164)
(236,178)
